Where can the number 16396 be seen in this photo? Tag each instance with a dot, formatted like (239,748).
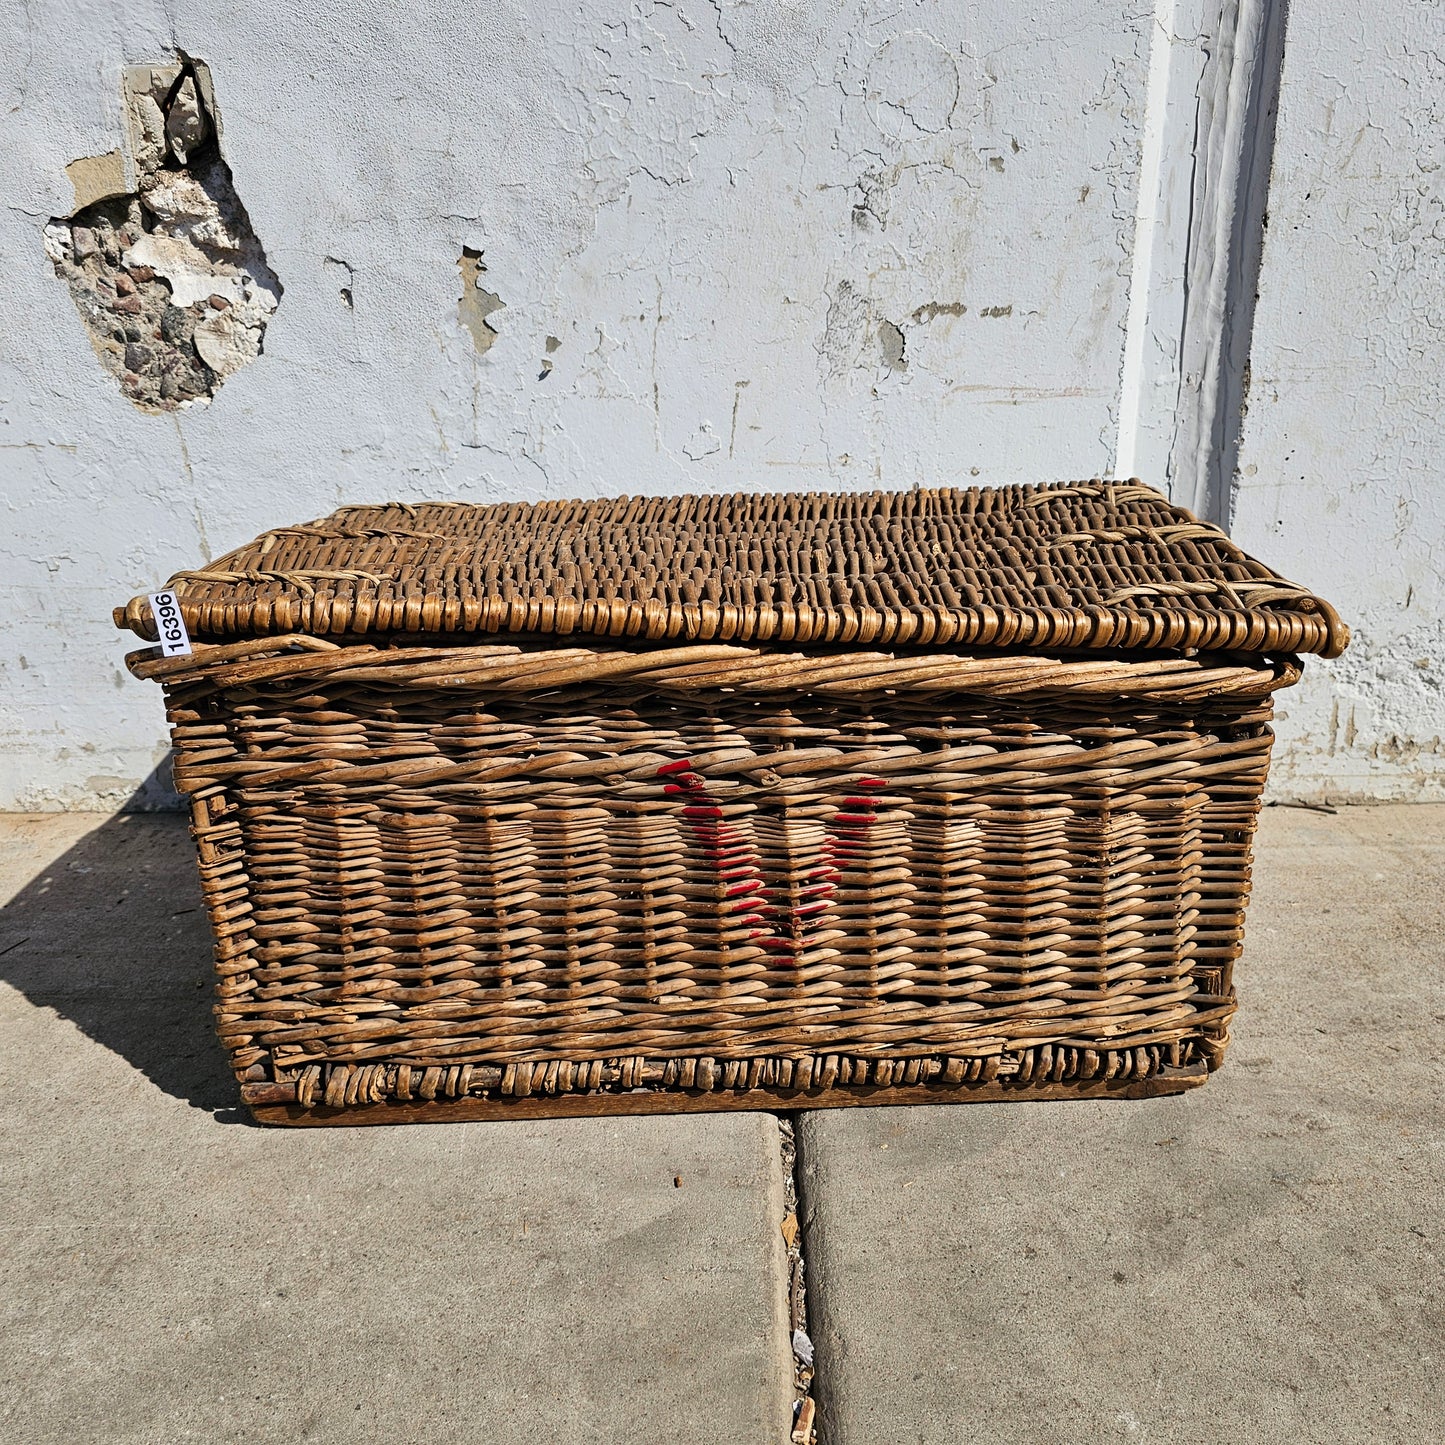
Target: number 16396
(170,625)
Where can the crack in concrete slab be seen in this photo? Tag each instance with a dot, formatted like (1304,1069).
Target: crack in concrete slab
(804,1430)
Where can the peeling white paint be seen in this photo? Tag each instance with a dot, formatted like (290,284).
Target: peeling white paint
(839,243)
(1149,381)
(1342,457)
(678,195)
(1213,67)
(1227,203)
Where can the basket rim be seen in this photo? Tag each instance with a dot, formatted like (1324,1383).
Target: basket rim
(713,667)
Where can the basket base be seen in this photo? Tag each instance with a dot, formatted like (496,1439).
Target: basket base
(674,1101)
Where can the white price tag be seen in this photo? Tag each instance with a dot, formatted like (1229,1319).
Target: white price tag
(170,625)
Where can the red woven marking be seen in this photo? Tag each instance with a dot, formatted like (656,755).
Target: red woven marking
(729,851)
(810,910)
(815,894)
(853,827)
(736,862)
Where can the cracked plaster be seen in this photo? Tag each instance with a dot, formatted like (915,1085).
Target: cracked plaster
(669,191)
(702,217)
(1341,457)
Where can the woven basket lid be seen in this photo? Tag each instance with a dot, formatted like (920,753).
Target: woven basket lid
(1085,565)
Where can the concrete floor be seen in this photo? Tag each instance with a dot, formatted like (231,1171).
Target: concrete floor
(171,1273)
(1255,1261)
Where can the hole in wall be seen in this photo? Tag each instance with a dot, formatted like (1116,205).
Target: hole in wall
(477,304)
(893,346)
(344,274)
(159,256)
(932,310)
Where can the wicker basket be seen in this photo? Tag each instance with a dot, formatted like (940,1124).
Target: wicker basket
(729,802)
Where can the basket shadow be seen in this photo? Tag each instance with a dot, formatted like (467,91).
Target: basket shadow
(112,935)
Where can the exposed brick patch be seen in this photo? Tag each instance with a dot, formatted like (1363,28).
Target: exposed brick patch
(170,279)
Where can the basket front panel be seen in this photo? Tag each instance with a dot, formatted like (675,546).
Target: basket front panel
(417,890)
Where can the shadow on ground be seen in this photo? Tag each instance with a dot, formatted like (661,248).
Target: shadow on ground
(110,933)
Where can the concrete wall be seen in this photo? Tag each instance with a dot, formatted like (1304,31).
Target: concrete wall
(777,245)
(769,245)
(1342,465)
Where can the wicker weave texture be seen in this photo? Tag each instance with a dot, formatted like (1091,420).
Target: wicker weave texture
(713,873)
(1100,564)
